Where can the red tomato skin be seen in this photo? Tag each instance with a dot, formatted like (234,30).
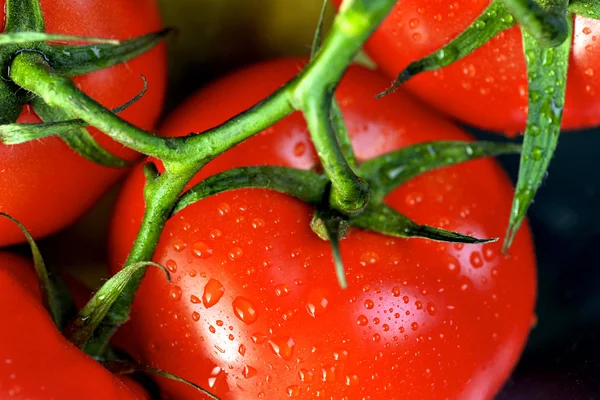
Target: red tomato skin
(36,361)
(46,185)
(420,320)
(488,88)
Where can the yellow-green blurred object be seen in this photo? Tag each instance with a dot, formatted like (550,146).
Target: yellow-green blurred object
(217,36)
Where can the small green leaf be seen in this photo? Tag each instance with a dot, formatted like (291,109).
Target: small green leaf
(89,318)
(494,20)
(319,31)
(384,219)
(55,295)
(124,367)
(547,76)
(78,60)
(330,225)
(544,20)
(387,172)
(585,8)
(307,186)
(77,136)
(31,37)
(11,134)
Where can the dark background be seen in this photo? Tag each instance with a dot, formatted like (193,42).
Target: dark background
(562,359)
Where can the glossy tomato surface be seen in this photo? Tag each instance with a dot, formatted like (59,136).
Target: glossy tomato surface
(45,184)
(254,309)
(488,88)
(36,361)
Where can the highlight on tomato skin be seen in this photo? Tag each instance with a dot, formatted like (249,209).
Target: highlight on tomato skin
(48,169)
(36,361)
(254,309)
(488,88)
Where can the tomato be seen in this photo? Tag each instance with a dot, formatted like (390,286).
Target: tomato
(488,88)
(36,361)
(45,184)
(254,309)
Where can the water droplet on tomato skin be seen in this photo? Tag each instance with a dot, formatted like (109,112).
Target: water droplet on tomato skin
(362,320)
(396,291)
(292,391)
(242,350)
(369,304)
(175,293)
(282,290)
(431,309)
(223,209)
(244,310)
(316,307)
(305,375)
(171,266)
(201,250)
(213,291)
(328,374)
(352,380)
(195,316)
(236,253)
(259,338)
(248,372)
(283,347)
(178,245)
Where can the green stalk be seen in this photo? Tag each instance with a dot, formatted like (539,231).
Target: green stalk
(24,16)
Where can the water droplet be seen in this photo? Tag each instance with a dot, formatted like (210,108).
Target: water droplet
(212,329)
(219,322)
(414,326)
(259,338)
(362,320)
(376,337)
(244,310)
(224,208)
(194,299)
(431,309)
(453,266)
(587,30)
(213,291)
(192,273)
(196,316)
(305,375)
(235,253)
(385,327)
(299,149)
(419,305)
(368,258)
(283,347)
(248,372)
(352,380)
(405,299)
(171,266)
(261,395)
(175,293)
(215,234)
(231,337)
(258,223)
(328,374)
(476,260)
(178,245)
(414,23)
(201,250)
(242,350)
(317,306)
(292,391)
(282,290)
(376,321)
(369,304)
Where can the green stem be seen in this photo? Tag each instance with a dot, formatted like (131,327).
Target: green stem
(545,22)
(24,16)
(342,134)
(349,194)
(32,72)
(161,194)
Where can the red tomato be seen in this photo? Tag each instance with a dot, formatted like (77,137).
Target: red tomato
(254,309)
(46,185)
(36,361)
(488,88)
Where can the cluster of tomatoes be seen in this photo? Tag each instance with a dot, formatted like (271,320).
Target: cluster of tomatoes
(253,308)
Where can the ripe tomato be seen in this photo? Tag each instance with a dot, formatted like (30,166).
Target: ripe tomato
(488,88)
(254,309)
(48,169)
(36,361)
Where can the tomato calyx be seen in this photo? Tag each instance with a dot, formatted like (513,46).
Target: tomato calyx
(383,174)
(585,8)
(24,33)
